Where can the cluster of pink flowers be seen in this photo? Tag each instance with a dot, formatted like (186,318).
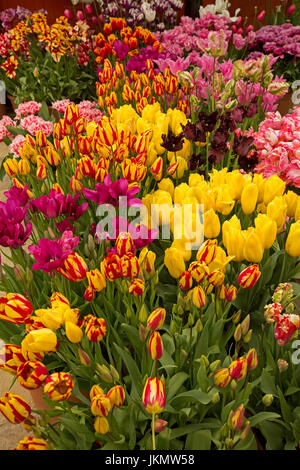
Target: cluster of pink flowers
(33,123)
(87,109)
(16,145)
(29,107)
(192,36)
(278,145)
(4,132)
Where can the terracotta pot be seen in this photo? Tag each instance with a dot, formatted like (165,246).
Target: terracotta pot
(2,109)
(40,404)
(12,100)
(285,104)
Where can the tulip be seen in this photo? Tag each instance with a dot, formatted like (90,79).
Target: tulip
(238,333)
(39,341)
(291,9)
(155,346)
(100,405)
(154,397)
(68,14)
(222,378)
(58,386)
(116,396)
(105,373)
(199,297)
(74,268)
(207,251)
(237,418)
(15,308)
(130,266)
(147,262)
(89,294)
(124,244)
(261,16)
(249,198)
(216,278)
(156,319)
(292,245)
(14,408)
(96,280)
(253,247)
(96,390)
(266,229)
(249,277)
(10,358)
(31,374)
(252,359)
(32,443)
(160,425)
(83,357)
(198,271)
(73,332)
(277,210)
(238,368)
(136,287)
(156,169)
(186,280)
(101,425)
(274,187)
(212,224)
(95,329)
(230,293)
(174,262)
(267,399)
(111,267)
(282,365)
(41,139)
(11,167)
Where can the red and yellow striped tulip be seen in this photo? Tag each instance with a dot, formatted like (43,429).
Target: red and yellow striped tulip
(130,266)
(96,390)
(96,280)
(154,396)
(124,244)
(236,418)
(186,280)
(15,308)
(31,374)
(58,386)
(155,346)
(116,396)
(32,443)
(252,359)
(249,277)
(238,368)
(14,408)
(222,378)
(207,251)
(111,267)
(10,358)
(156,319)
(100,405)
(95,329)
(136,287)
(74,268)
(199,297)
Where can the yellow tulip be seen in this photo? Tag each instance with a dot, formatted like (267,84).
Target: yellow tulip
(267,229)
(73,332)
(224,200)
(212,224)
(249,198)
(235,242)
(166,184)
(292,245)
(174,262)
(291,200)
(274,187)
(276,210)
(253,248)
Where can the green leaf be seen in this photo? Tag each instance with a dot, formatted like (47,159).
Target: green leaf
(135,375)
(198,440)
(175,383)
(263,416)
(267,384)
(182,431)
(191,396)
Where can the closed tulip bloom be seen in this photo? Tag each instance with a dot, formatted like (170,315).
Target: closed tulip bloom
(96,390)
(58,386)
(238,368)
(14,408)
(237,417)
(291,198)
(154,397)
(207,251)
(32,443)
(10,358)
(11,167)
(96,280)
(52,156)
(186,280)
(101,425)
(249,276)
(249,198)
(73,332)
(231,293)
(43,340)
(147,262)
(130,265)
(274,187)
(212,224)
(199,297)
(111,267)
(156,319)
(15,308)
(267,230)
(252,359)
(74,268)
(216,278)
(41,139)
(31,374)
(199,271)
(222,378)
(277,210)
(174,262)
(124,244)
(75,185)
(100,405)
(136,287)
(24,167)
(253,248)
(116,396)
(95,329)
(156,169)
(155,346)
(234,244)
(292,245)
(89,294)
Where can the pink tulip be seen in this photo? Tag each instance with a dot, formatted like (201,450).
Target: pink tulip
(234,28)
(100,18)
(261,16)
(291,9)
(68,14)
(80,15)
(249,28)
(95,19)
(239,21)
(89,9)
(240,31)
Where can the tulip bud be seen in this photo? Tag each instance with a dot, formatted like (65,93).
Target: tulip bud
(215,365)
(249,277)
(100,405)
(236,317)
(160,425)
(238,333)
(267,399)
(199,326)
(101,425)
(143,332)
(156,319)
(229,443)
(83,357)
(104,373)
(114,373)
(143,314)
(245,325)
(252,359)
(155,346)
(237,417)
(247,337)
(222,378)
(73,332)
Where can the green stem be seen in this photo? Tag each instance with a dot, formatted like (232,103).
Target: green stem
(153,432)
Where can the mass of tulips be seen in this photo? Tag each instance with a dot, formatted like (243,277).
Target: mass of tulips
(150,240)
